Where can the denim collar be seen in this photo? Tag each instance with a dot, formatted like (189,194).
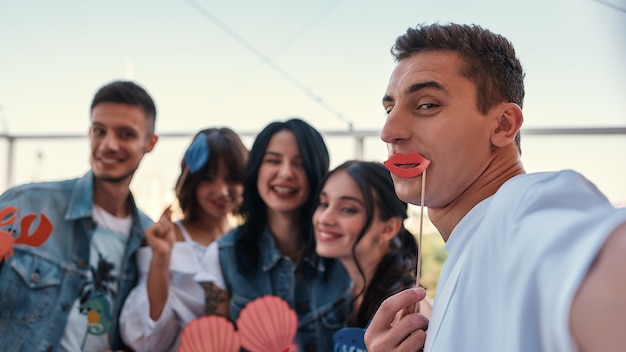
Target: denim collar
(81,199)
(81,202)
(271,255)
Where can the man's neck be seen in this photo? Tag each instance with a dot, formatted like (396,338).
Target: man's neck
(446,218)
(112,197)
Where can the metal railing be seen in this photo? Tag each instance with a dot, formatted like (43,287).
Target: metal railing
(358,136)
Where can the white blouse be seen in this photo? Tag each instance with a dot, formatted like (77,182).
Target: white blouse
(185,300)
(210,268)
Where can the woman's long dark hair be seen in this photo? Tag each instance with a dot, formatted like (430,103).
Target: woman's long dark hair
(315,161)
(396,270)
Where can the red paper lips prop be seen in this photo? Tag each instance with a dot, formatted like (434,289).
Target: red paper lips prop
(407,165)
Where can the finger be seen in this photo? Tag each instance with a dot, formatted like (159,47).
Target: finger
(409,334)
(401,338)
(153,231)
(387,311)
(167,213)
(164,225)
(414,342)
(410,324)
(160,229)
(380,335)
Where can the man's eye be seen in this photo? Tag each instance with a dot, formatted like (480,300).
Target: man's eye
(427,106)
(126,134)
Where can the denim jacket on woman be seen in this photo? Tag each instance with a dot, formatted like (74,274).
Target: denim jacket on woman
(322,301)
(38,285)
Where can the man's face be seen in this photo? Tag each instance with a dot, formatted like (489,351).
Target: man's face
(432,111)
(120,136)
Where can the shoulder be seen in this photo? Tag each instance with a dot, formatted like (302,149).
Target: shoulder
(539,204)
(559,182)
(139,215)
(229,239)
(37,188)
(51,197)
(144,220)
(565,189)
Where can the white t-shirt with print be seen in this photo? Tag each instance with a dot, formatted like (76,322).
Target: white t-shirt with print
(90,317)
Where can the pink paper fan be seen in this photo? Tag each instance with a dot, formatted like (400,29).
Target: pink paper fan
(209,334)
(268,324)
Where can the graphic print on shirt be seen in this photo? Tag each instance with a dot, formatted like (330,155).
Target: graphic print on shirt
(39,235)
(95,298)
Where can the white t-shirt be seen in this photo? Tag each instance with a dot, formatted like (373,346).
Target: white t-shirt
(521,257)
(91,315)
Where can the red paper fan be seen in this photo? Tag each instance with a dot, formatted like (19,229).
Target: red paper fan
(268,324)
(209,334)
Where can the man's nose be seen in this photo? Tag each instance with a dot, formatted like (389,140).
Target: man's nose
(394,129)
(109,142)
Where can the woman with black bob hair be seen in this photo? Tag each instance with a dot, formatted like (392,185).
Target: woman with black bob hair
(268,254)
(360,221)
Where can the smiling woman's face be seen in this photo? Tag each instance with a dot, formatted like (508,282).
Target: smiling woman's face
(282,180)
(339,220)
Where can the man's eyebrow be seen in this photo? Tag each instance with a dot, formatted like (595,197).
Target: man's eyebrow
(429,84)
(417,87)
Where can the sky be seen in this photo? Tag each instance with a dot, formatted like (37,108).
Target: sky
(243,64)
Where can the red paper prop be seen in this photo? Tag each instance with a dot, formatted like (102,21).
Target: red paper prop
(8,216)
(267,324)
(209,334)
(407,165)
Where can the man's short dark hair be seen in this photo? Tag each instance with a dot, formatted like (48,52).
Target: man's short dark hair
(130,93)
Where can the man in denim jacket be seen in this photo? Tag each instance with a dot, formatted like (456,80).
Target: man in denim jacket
(66,293)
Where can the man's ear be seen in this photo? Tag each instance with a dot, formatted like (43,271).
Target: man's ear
(152,140)
(509,121)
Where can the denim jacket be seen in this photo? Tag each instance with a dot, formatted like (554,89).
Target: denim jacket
(321,304)
(39,284)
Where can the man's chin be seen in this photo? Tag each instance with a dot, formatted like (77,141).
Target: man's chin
(113,178)
(406,190)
